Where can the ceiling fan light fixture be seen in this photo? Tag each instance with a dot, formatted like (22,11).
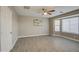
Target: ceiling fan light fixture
(45,13)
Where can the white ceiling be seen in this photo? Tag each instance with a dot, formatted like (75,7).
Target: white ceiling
(37,10)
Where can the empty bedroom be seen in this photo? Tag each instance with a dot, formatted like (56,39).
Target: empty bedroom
(39,28)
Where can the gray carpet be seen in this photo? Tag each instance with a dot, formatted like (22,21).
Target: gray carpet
(45,44)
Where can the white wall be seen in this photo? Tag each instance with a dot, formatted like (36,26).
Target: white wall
(26,27)
(8,28)
(0,28)
(14,28)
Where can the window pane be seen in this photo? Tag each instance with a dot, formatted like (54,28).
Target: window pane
(57,22)
(74,25)
(65,25)
(70,25)
(57,28)
(57,25)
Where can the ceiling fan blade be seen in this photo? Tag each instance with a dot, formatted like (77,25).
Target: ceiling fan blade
(51,11)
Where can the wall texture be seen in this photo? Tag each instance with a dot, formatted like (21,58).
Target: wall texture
(27,28)
(9,27)
(51,27)
(6,28)
(0,28)
(14,27)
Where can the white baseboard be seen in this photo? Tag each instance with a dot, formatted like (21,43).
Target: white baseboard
(32,35)
(13,44)
(67,37)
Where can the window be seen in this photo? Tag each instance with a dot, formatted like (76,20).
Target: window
(65,25)
(57,25)
(70,25)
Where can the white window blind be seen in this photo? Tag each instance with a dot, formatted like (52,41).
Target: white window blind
(70,25)
(57,25)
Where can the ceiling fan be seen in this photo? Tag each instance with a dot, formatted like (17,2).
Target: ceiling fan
(46,12)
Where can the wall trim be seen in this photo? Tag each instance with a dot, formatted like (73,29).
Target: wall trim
(13,44)
(32,35)
(67,37)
